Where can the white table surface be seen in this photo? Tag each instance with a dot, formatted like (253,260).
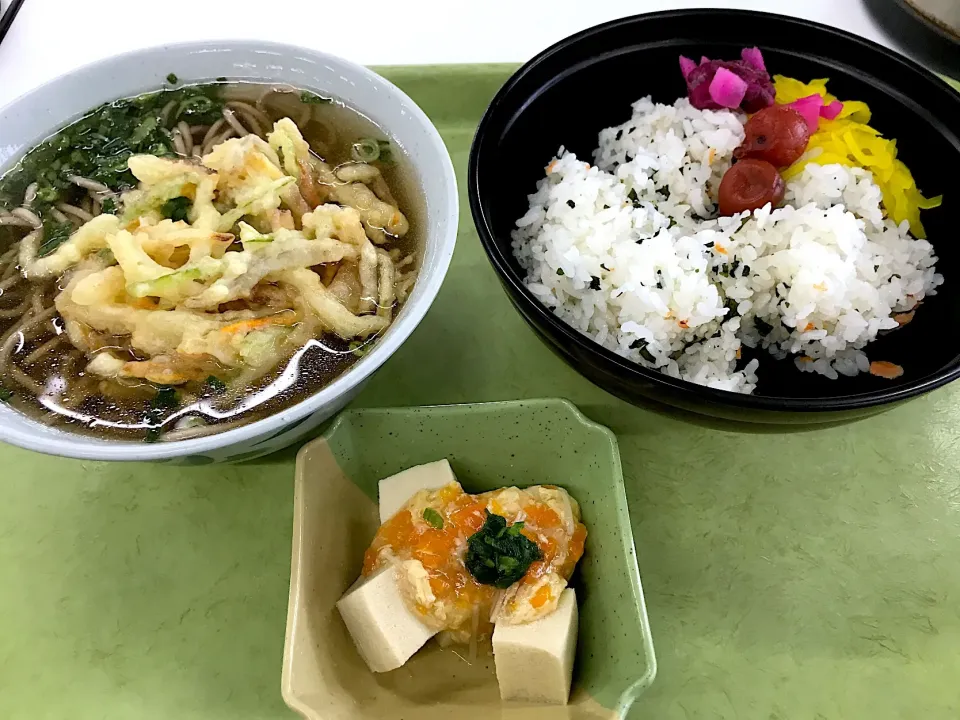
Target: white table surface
(51,37)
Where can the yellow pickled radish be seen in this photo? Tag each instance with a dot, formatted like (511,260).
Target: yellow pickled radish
(849,140)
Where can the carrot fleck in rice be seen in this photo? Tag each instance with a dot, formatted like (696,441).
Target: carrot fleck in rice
(884,369)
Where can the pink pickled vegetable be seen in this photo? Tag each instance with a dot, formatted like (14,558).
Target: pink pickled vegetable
(813,108)
(703,92)
(809,107)
(831,111)
(752,56)
(727,89)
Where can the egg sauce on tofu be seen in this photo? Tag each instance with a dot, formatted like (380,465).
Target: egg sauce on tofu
(428,540)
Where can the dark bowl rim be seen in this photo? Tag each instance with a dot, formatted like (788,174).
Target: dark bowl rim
(930,22)
(560,332)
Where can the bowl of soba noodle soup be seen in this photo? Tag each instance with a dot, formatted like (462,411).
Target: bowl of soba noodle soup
(207,249)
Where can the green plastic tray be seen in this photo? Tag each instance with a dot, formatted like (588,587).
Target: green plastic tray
(808,575)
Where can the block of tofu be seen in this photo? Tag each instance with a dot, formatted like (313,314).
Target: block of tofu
(535,661)
(385,631)
(397,489)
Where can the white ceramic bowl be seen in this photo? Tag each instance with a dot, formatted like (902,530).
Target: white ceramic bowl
(38,114)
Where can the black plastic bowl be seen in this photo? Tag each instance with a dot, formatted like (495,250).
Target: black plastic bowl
(568,93)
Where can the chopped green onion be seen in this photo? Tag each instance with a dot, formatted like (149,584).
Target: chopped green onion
(5,394)
(190,421)
(215,385)
(498,554)
(386,152)
(311,98)
(366,150)
(47,194)
(172,79)
(434,518)
(359,348)
(176,209)
(166,397)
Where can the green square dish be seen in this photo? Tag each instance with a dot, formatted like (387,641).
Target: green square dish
(489,445)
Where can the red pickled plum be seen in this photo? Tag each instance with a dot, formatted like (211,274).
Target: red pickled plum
(777,134)
(749,185)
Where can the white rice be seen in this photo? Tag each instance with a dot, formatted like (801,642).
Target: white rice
(619,250)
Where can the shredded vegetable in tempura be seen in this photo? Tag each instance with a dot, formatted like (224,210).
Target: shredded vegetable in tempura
(235,282)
